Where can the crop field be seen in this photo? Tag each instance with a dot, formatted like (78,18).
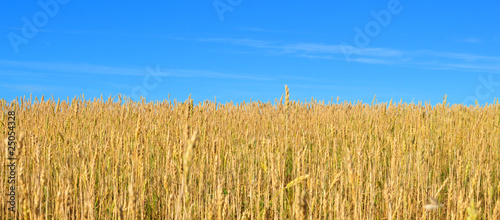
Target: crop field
(117,159)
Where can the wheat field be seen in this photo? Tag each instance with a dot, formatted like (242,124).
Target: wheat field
(118,159)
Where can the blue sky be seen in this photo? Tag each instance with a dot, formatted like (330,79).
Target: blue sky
(241,50)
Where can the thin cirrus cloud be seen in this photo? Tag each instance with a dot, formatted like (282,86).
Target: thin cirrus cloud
(55,67)
(32,77)
(261,30)
(33,68)
(28,87)
(470,40)
(428,59)
(359,60)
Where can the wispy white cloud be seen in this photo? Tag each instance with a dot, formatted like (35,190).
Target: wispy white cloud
(387,56)
(61,31)
(260,30)
(328,87)
(242,42)
(269,30)
(213,74)
(98,32)
(462,56)
(34,67)
(311,48)
(489,68)
(359,60)
(469,40)
(29,88)
(69,68)
(49,77)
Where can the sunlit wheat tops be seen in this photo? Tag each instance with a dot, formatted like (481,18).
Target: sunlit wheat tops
(287,98)
(117,159)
